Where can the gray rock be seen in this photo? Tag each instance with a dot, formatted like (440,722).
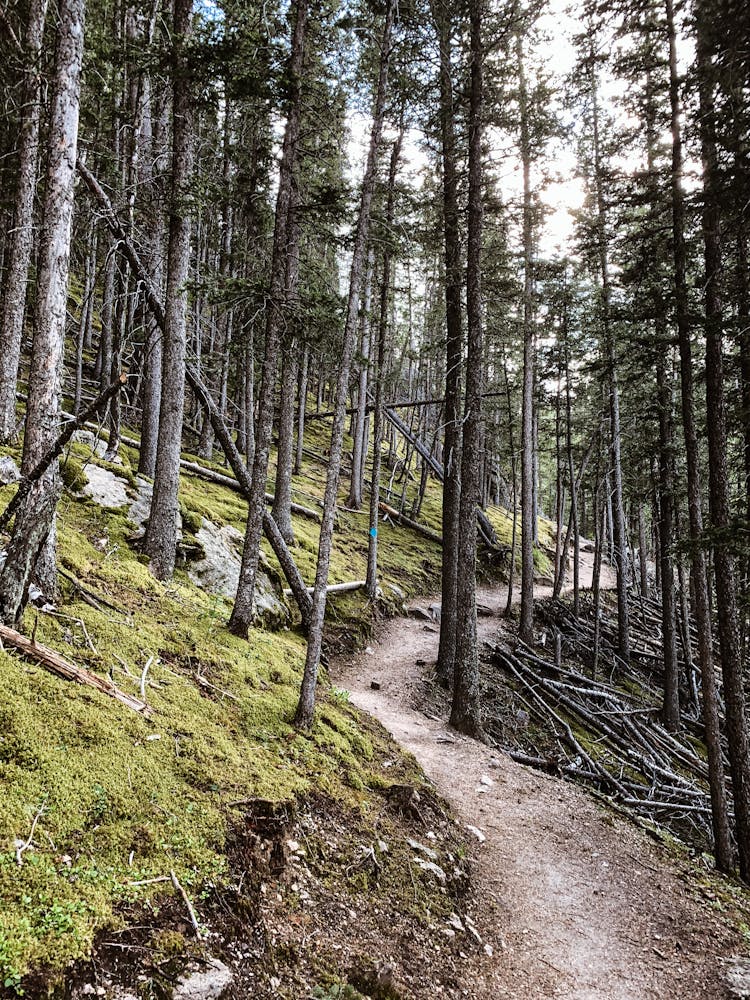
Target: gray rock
(397,592)
(219,573)
(432,868)
(105,488)
(140,508)
(738,977)
(205,983)
(9,472)
(427,851)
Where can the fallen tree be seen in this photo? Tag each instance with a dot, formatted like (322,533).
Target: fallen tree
(58,665)
(397,516)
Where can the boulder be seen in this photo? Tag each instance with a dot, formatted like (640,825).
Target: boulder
(140,507)
(105,488)
(219,573)
(9,472)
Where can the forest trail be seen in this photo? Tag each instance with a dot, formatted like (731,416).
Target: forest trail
(574,902)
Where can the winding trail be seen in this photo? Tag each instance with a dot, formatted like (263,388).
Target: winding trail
(573,901)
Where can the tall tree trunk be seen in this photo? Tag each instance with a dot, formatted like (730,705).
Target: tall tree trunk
(514,495)
(161,536)
(21,239)
(306,706)
(671,708)
(359,445)
(34,524)
(724,565)
(704,626)
(282,512)
(301,407)
(377,445)
(619,527)
(242,613)
(454,349)
(465,707)
(528,492)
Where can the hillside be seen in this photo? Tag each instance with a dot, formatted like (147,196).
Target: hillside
(101,805)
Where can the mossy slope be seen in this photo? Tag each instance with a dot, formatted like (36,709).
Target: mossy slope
(117,801)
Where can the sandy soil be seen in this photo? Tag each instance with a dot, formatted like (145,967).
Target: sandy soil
(573,901)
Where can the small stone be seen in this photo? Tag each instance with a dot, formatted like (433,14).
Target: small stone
(485,780)
(375,685)
(428,851)
(454,921)
(433,869)
(488,950)
(369,651)
(477,832)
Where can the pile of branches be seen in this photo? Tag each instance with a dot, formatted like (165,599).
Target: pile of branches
(595,646)
(603,731)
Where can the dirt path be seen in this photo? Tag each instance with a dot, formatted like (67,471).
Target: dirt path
(574,902)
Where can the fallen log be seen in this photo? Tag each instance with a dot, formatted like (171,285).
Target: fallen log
(58,446)
(337,588)
(433,536)
(231,483)
(56,664)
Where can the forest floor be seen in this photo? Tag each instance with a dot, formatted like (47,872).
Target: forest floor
(574,901)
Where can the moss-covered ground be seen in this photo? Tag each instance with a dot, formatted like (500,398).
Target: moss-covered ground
(99,803)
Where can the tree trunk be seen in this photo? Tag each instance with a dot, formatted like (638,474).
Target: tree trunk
(454,350)
(619,528)
(465,708)
(21,237)
(242,613)
(301,407)
(161,536)
(359,445)
(306,706)
(724,566)
(528,491)
(282,512)
(717,782)
(377,446)
(34,524)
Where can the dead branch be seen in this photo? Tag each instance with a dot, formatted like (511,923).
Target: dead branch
(56,664)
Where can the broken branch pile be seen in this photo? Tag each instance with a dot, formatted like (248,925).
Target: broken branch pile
(604,732)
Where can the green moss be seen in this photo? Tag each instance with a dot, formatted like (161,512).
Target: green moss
(117,800)
(72,474)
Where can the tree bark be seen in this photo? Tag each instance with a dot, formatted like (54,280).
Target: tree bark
(465,708)
(377,445)
(528,492)
(21,239)
(724,565)
(454,349)
(619,527)
(35,522)
(161,536)
(242,612)
(303,718)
